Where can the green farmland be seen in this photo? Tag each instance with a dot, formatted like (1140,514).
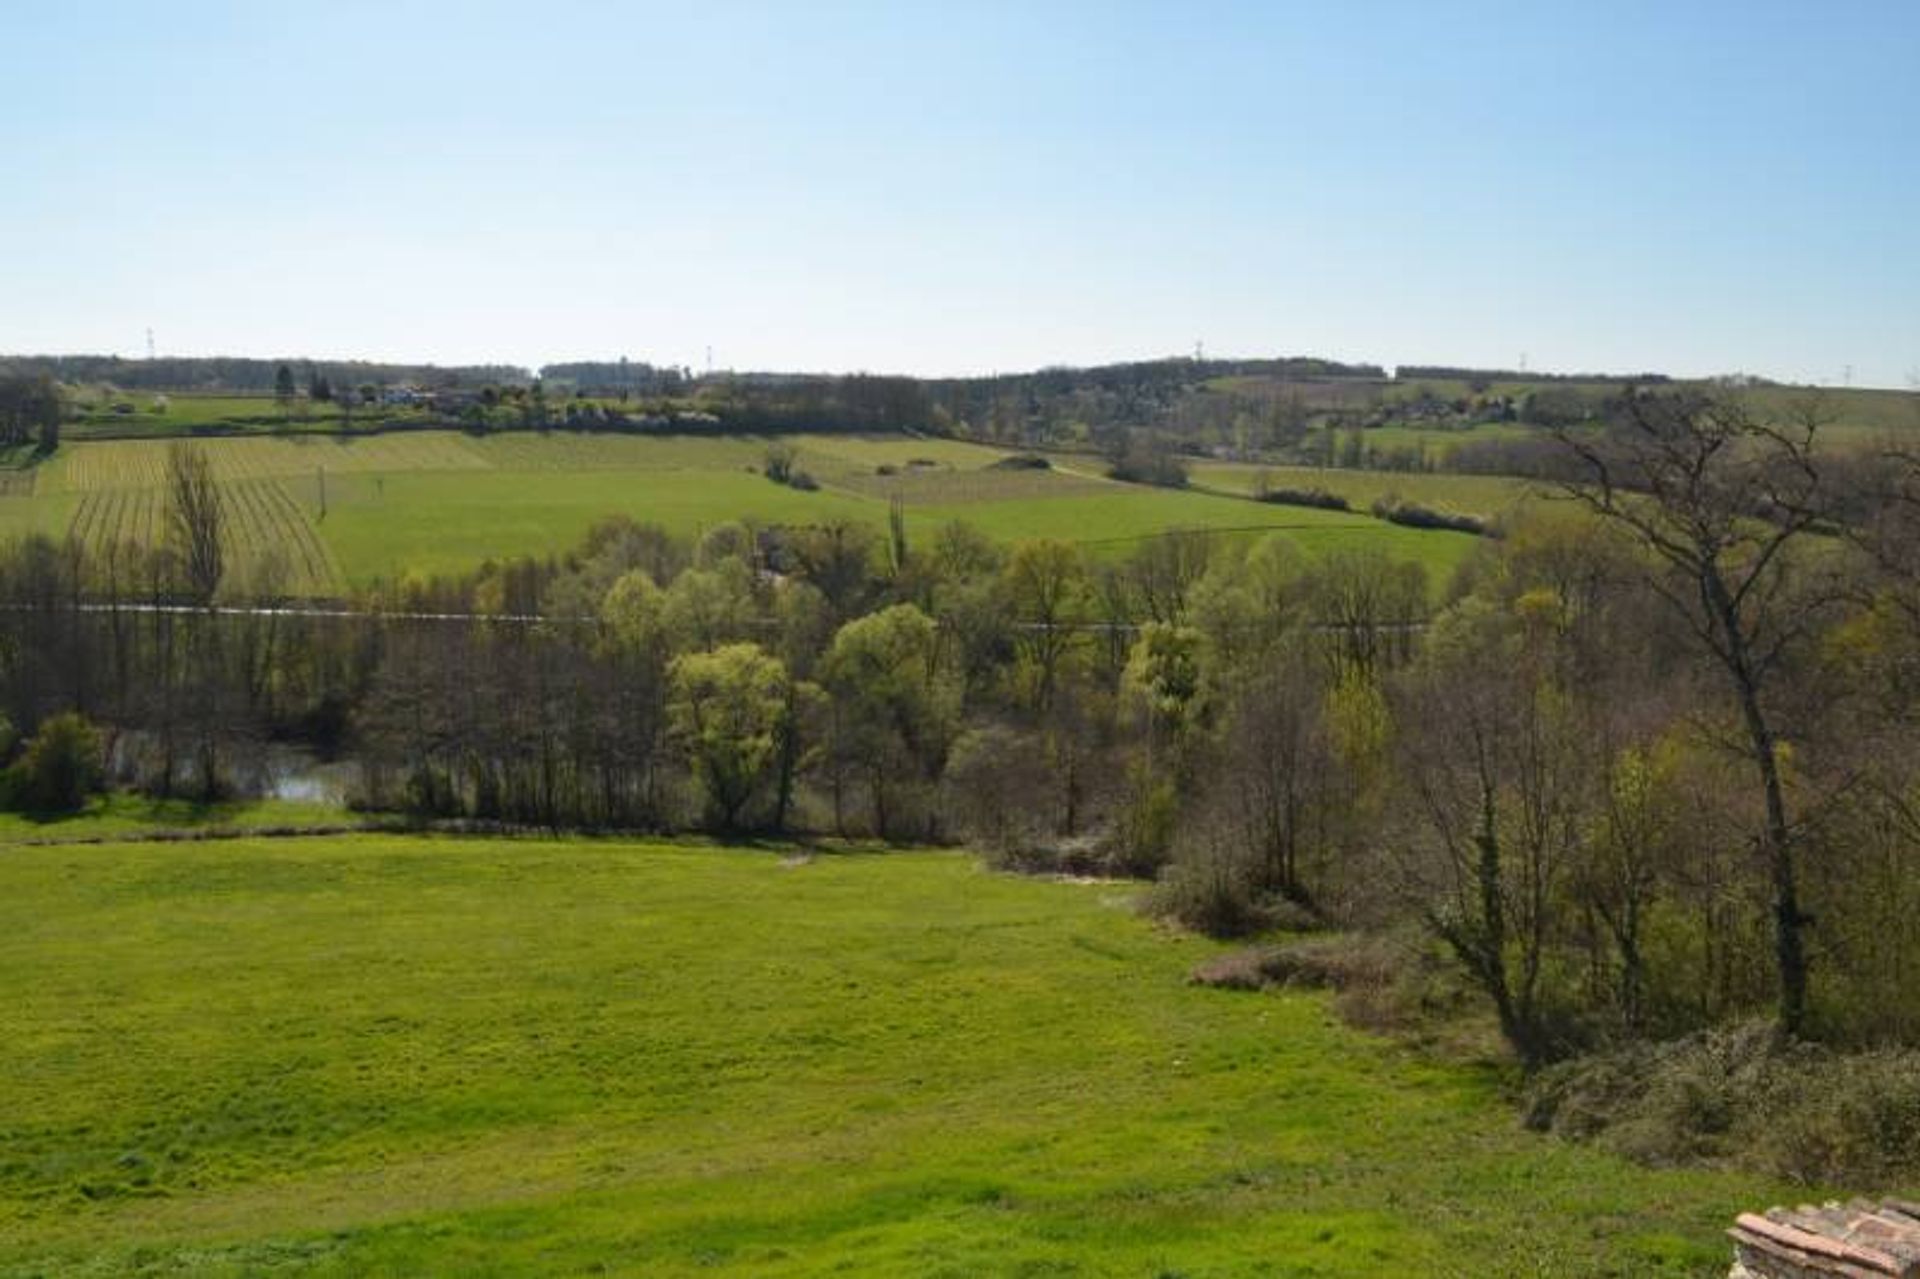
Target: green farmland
(317,513)
(1482,495)
(403,1055)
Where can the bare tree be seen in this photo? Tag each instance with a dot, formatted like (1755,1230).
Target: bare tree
(196,519)
(1722,500)
(1498,771)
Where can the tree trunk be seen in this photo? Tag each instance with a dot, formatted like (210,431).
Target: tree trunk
(1789,942)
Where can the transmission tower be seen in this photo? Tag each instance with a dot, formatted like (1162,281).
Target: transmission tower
(149,342)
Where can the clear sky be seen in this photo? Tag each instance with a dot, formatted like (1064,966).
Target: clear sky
(1684,186)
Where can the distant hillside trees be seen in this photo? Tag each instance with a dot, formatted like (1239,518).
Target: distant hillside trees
(257,377)
(622,378)
(30,411)
(1450,373)
(1145,457)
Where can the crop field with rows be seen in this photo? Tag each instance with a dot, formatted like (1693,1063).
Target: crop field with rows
(272,545)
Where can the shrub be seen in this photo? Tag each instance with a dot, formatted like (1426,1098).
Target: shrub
(1022,462)
(1413,515)
(60,768)
(1210,894)
(1742,1096)
(1380,984)
(778,461)
(1317,498)
(1141,841)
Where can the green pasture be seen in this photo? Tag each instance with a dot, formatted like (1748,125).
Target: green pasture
(1482,495)
(122,815)
(396,1056)
(386,526)
(183,413)
(1434,441)
(316,513)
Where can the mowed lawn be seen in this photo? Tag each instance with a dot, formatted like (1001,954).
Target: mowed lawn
(402,1056)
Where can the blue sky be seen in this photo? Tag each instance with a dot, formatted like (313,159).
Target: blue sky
(1689,187)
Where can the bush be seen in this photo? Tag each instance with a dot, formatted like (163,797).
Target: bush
(1412,515)
(1141,842)
(60,768)
(1745,1097)
(1210,894)
(1380,983)
(1022,462)
(778,461)
(1317,498)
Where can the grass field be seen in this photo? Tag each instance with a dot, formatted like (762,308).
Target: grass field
(1436,442)
(186,412)
(325,512)
(399,1056)
(122,815)
(1482,495)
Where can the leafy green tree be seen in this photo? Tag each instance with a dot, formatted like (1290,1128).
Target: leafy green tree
(1046,585)
(283,387)
(60,768)
(708,607)
(196,519)
(728,710)
(635,611)
(836,557)
(1163,675)
(893,708)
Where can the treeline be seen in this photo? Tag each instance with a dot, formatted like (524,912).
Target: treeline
(618,378)
(31,410)
(1450,373)
(1090,406)
(235,374)
(851,402)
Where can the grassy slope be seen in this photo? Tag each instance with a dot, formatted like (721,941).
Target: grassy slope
(381,1055)
(1469,494)
(433,521)
(437,501)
